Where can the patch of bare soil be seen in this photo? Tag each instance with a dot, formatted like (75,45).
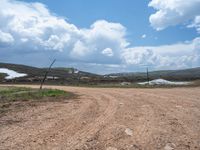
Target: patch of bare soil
(108,119)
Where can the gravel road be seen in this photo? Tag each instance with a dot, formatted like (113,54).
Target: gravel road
(108,119)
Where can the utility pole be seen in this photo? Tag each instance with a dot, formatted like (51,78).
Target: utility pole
(79,77)
(148,75)
(46,73)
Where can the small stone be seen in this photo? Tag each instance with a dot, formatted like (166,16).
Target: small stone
(169,146)
(129,132)
(111,148)
(178,106)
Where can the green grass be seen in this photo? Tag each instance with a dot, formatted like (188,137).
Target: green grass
(17,97)
(2,76)
(15,94)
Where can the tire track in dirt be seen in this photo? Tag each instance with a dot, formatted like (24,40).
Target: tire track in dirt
(158,111)
(58,132)
(93,128)
(142,131)
(180,122)
(34,130)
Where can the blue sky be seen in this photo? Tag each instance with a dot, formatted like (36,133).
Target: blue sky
(133,14)
(101,36)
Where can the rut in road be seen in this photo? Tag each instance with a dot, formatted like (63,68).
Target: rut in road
(92,128)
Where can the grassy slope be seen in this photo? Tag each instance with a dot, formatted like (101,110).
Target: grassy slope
(176,75)
(36,74)
(65,78)
(2,76)
(14,97)
(33,71)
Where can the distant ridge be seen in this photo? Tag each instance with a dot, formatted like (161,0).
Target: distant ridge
(55,76)
(179,75)
(72,75)
(34,71)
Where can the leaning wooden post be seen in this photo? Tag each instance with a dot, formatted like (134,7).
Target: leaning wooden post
(46,73)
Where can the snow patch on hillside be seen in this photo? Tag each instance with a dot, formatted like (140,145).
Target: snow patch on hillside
(11,74)
(163,82)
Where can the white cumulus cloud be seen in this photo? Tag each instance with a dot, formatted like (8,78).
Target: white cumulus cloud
(174,12)
(108,52)
(34,29)
(180,55)
(30,32)
(5,39)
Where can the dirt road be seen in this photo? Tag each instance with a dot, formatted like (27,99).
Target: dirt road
(109,119)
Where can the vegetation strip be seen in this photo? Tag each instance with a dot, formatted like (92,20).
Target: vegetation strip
(15,97)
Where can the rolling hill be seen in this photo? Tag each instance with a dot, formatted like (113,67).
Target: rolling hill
(73,76)
(57,75)
(175,75)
